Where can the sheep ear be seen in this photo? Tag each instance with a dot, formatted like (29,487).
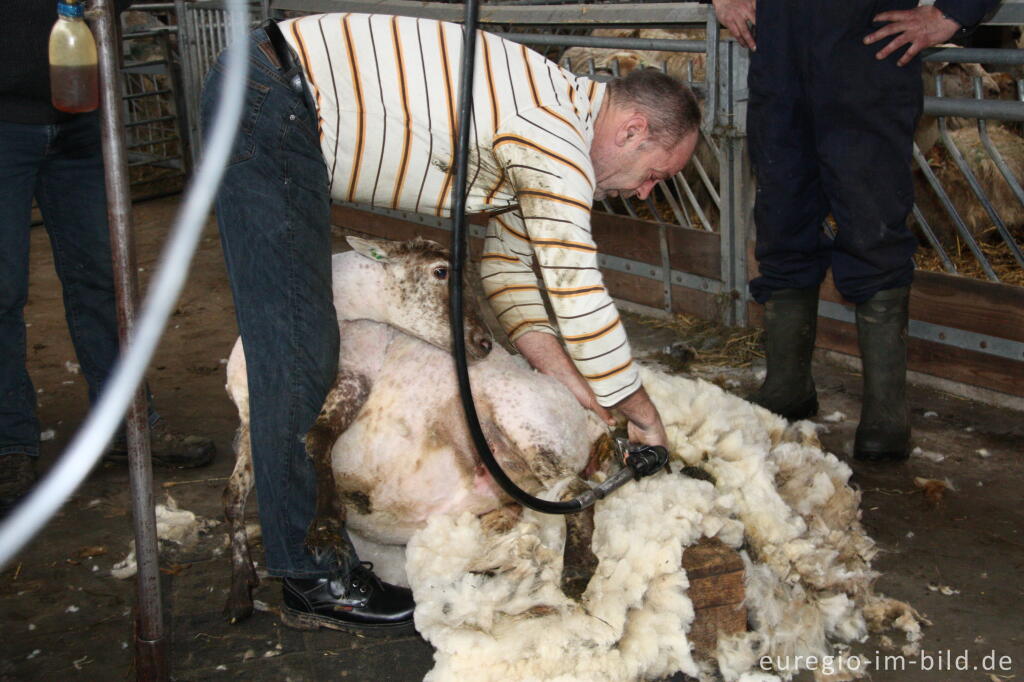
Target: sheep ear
(373,249)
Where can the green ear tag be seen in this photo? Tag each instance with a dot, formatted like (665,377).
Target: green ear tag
(377,255)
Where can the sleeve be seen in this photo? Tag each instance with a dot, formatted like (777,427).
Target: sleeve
(510,285)
(967,13)
(546,159)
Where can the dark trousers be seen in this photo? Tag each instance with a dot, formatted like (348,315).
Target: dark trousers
(831,131)
(61,165)
(273,209)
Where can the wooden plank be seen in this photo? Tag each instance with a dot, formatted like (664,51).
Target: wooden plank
(716,590)
(634,288)
(696,252)
(387,227)
(626,237)
(697,303)
(965,366)
(986,308)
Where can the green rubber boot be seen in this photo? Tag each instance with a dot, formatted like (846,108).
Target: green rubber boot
(790,322)
(883,434)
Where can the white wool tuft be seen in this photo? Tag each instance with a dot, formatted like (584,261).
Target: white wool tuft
(492,607)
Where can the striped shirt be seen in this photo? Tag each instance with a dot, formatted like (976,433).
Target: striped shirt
(386,90)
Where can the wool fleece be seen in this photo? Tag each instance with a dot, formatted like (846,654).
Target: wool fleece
(491,606)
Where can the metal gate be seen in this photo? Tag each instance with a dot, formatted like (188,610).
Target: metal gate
(690,244)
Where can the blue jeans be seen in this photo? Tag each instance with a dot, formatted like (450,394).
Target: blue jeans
(273,209)
(62,167)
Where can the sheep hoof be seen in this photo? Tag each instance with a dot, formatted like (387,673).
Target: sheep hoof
(575,584)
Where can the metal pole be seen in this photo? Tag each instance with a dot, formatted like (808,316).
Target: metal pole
(150,657)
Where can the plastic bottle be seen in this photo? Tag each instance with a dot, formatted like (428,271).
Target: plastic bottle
(74,76)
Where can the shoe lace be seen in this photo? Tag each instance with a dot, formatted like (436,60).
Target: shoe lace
(363,579)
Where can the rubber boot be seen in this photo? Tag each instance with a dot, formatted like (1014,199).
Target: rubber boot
(884,430)
(790,322)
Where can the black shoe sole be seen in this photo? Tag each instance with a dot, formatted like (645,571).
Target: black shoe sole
(889,457)
(302,620)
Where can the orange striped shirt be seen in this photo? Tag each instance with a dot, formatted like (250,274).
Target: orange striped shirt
(387,89)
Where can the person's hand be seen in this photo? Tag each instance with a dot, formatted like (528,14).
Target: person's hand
(738,16)
(919,28)
(644,421)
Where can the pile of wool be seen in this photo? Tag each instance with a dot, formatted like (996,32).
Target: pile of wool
(491,606)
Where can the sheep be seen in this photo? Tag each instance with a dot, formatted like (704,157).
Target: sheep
(409,283)
(395,397)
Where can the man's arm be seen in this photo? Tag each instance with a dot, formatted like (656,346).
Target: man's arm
(544,352)
(548,163)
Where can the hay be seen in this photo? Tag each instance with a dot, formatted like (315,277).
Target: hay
(998,255)
(714,345)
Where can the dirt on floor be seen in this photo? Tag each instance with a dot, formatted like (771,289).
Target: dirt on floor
(956,555)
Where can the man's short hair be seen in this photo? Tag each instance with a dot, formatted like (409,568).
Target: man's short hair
(670,105)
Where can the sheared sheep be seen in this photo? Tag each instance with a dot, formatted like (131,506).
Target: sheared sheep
(401,450)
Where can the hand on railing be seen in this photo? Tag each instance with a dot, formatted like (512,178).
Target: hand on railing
(738,16)
(920,27)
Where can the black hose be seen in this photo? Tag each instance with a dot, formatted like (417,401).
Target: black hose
(455,287)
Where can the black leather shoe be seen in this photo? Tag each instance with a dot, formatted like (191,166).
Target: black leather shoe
(362,604)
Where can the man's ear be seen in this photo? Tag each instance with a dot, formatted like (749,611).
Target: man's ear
(633,129)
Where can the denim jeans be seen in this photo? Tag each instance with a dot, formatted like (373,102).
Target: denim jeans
(62,167)
(273,210)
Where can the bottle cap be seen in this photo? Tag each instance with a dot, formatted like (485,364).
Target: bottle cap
(72,9)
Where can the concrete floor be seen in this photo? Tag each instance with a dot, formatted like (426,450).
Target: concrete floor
(957,560)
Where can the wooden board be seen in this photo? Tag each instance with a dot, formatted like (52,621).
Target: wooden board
(715,572)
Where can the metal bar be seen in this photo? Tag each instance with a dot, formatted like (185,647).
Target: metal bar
(708,185)
(681,181)
(976,188)
(1007,174)
(947,264)
(958,222)
(1003,110)
(149,93)
(660,44)
(937,333)
(135,124)
(616,263)
(963,55)
(666,265)
(712,78)
(672,203)
(660,13)
(150,645)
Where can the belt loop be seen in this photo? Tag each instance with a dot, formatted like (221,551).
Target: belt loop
(285,56)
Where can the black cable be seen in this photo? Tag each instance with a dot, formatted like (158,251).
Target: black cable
(642,460)
(455,284)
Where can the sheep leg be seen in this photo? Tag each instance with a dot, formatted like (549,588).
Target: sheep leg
(578,560)
(243,574)
(343,402)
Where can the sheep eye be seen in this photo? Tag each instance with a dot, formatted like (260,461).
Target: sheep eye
(441,272)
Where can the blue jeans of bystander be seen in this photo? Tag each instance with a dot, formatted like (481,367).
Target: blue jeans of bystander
(61,165)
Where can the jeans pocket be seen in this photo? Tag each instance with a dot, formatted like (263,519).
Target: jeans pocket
(244,147)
